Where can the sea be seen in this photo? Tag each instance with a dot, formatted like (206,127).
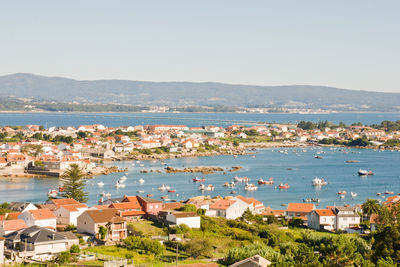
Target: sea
(295,166)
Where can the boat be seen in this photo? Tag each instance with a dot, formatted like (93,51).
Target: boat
(164,187)
(378,194)
(149,195)
(343,193)
(100,184)
(103,194)
(253,156)
(318,157)
(119,185)
(172,191)
(283,186)
(235,156)
(197,179)
(241,179)
(229,184)
(342,196)
(319,181)
(388,193)
(364,172)
(60,189)
(270,181)
(353,195)
(250,187)
(52,193)
(233,192)
(141,165)
(315,200)
(352,161)
(164,197)
(123,178)
(209,187)
(140,191)
(138,161)
(306,200)
(141,180)
(163,163)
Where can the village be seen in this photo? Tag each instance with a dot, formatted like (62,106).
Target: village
(32,150)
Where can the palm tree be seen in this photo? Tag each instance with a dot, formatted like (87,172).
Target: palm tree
(371,206)
(73,181)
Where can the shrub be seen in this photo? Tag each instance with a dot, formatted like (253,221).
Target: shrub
(75,249)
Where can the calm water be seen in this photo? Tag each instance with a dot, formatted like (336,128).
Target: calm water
(190,119)
(268,163)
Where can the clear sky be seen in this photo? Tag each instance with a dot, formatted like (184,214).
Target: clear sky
(347,44)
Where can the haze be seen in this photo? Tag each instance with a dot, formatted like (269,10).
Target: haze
(345,44)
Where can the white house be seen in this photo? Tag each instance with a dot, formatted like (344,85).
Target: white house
(191,219)
(40,217)
(68,214)
(346,217)
(228,208)
(21,206)
(321,220)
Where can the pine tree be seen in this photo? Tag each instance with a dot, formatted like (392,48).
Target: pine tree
(73,182)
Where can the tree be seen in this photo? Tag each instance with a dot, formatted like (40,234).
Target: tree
(102,232)
(370,206)
(198,247)
(74,183)
(188,208)
(75,249)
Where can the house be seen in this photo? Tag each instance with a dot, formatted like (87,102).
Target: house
(9,226)
(191,219)
(131,210)
(255,206)
(21,206)
(35,242)
(41,217)
(299,210)
(150,206)
(321,220)
(255,261)
(2,250)
(68,214)
(346,217)
(91,221)
(228,208)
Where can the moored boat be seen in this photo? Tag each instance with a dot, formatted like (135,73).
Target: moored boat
(197,179)
(343,193)
(270,181)
(250,187)
(319,181)
(283,186)
(362,172)
(52,193)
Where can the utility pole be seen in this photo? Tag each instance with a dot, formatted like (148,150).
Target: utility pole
(177,239)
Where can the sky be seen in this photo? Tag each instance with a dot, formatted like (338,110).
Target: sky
(346,44)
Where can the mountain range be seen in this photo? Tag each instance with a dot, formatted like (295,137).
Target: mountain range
(65,90)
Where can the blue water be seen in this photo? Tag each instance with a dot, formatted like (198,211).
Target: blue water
(268,163)
(189,119)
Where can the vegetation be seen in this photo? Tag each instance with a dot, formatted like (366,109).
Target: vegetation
(144,244)
(102,232)
(73,182)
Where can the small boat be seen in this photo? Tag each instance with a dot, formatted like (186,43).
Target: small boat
(100,184)
(140,191)
(283,186)
(197,179)
(164,197)
(389,193)
(141,165)
(138,161)
(172,191)
(352,161)
(133,164)
(315,200)
(149,195)
(318,157)
(241,179)
(364,172)
(123,178)
(306,200)
(342,196)
(163,163)
(227,184)
(141,180)
(270,181)
(253,156)
(60,189)
(319,181)
(52,193)
(209,187)
(353,195)
(235,156)
(233,192)
(119,185)
(103,194)
(343,193)
(378,194)
(250,187)
(164,187)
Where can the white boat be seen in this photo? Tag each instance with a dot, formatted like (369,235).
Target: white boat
(141,165)
(140,191)
(100,184)
(364,172)
(52,193)
(103,194)
(119,185)
(353,195)
(164,187)
(241,179)
(250,187)
(319,181)
(209,187)
(141,180)
(138,161)
(231,184)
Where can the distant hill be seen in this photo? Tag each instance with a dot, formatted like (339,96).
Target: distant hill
(42,88)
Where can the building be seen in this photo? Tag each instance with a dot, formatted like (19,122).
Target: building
(255,206)
(90,222)
(191,219)
(228,208)
(68,214)
(9,226)
(35,242)
(346,217)
(131,210)
(322,220)
(150,206)
(41,217)
(21,206)
(2,250)
(299,210)
(255,261)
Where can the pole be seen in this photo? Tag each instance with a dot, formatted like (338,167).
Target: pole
(176,253)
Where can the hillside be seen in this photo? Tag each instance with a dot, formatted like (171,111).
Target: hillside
(42,88)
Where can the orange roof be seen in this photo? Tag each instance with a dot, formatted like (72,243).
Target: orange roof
(73,207)
(222,204)
(125,205)
(172,205)
(14,225)
(373,217)
(100,207)
(252,200)
(326,212)
(42,214)
(132,213)
(300,207)
(64,201)
(13,215)
(133,199)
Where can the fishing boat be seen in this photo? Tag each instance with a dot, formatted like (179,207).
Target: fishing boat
(343,193)
(283,186)
(229,184)
(317,200)
(241,179)
(52,193)
(197,179)
(378,194)
(172,191)
(250,187)
(164,187)
(141,180)
(342,196)
(353,195)
(103,194)
(164,197)
(270,181)
(364,172)
(235,156)
(163,163)
(140,191)
(318,157)
(149,195)
(233,192)
(209,187)
(389,193)
(123,178)
(319,181)
(100,184)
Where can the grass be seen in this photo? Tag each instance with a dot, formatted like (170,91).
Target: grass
(148,228)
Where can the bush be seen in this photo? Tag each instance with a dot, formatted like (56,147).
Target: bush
(63,257)
(75,249)
(143,243)
(198,247)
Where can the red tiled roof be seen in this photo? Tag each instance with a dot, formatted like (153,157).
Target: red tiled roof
(13,215)
(132,213)
(222,204)
(326,212)
(13,225)
(125,205)
(64,201)
(300,207)
(172,205)
(42,214)
(73,207)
